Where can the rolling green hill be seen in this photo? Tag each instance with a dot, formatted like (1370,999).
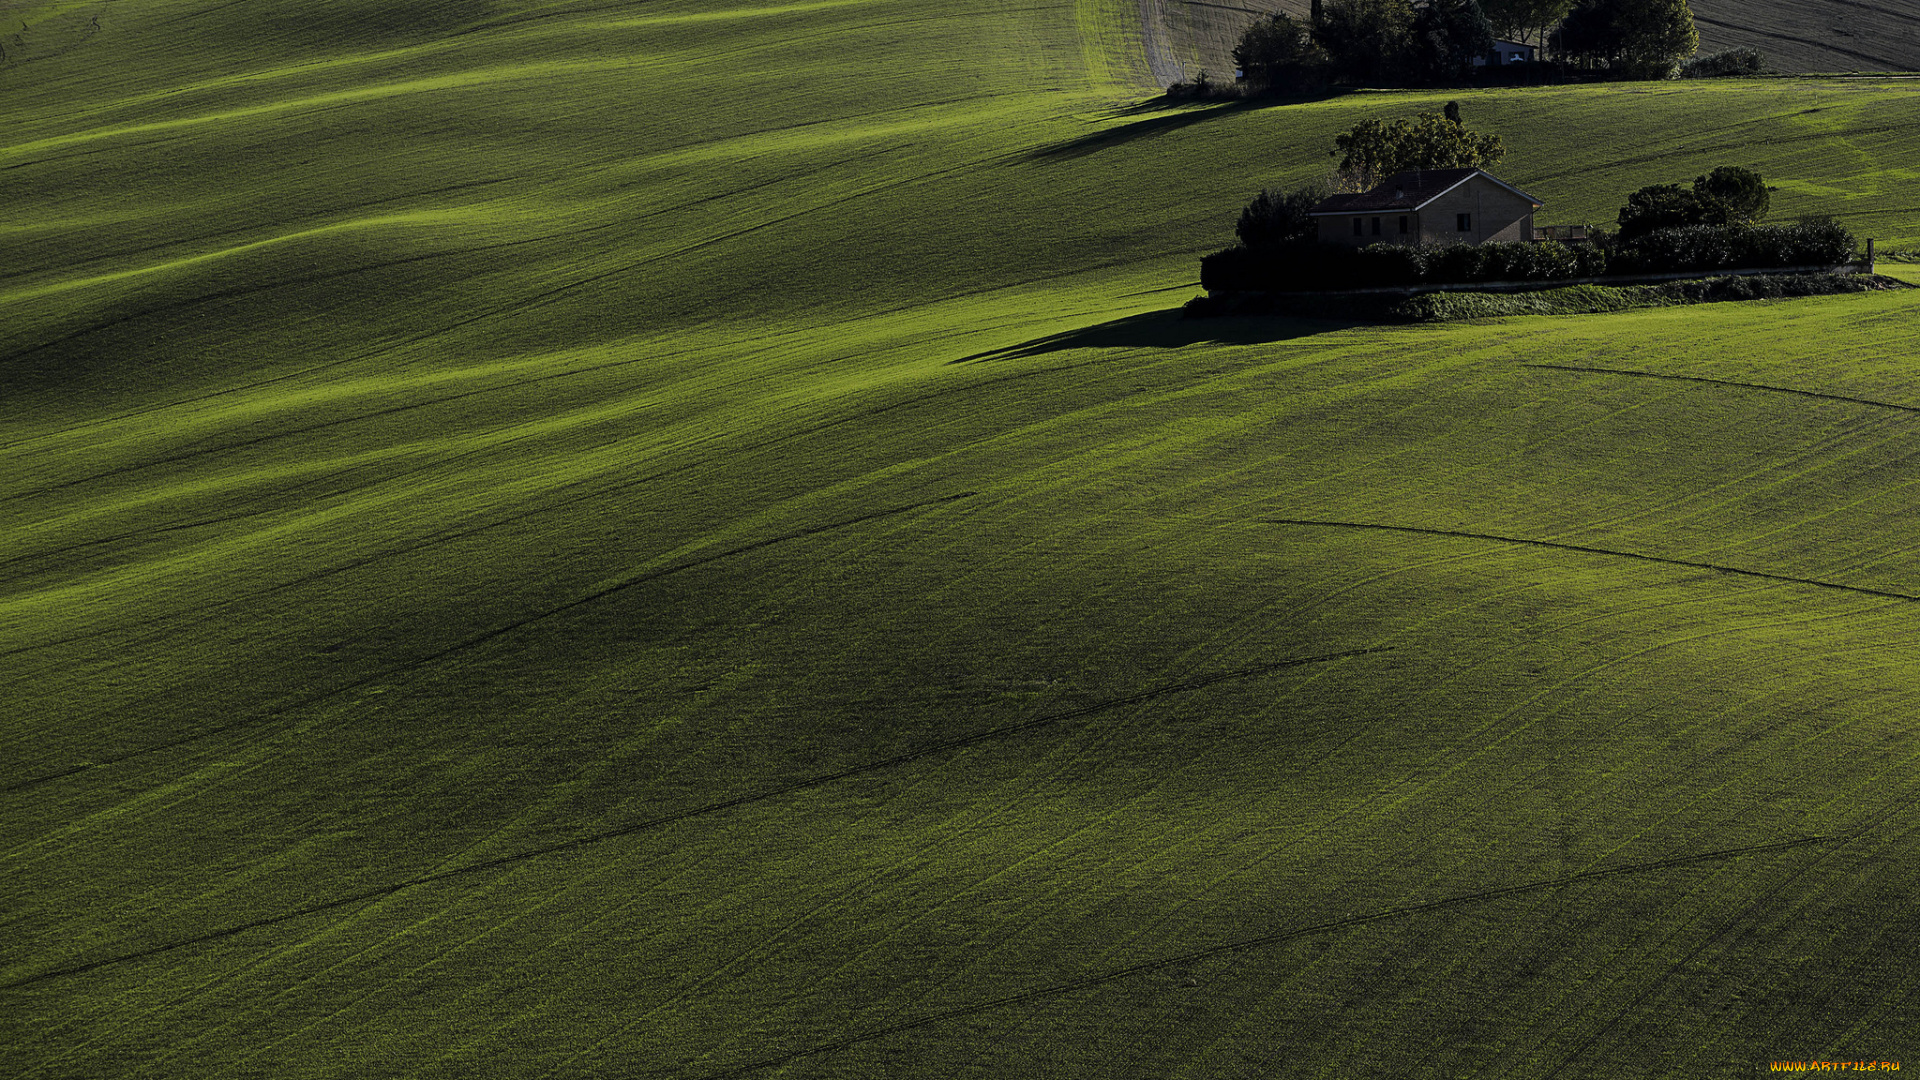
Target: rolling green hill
(674,539)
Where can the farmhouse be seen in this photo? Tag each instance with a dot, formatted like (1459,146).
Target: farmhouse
(1429,206)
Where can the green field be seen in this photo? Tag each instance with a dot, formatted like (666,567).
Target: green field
(667,539)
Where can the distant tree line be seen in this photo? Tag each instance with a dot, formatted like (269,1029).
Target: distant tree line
(1400,43)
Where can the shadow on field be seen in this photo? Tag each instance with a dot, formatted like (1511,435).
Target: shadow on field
(1189,114)
(1165,329)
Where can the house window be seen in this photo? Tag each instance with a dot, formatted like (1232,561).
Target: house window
(1403,224)
(1376,226)
(1357,230)
(1463,222)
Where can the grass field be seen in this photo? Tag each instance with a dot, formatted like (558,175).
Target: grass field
(675,539)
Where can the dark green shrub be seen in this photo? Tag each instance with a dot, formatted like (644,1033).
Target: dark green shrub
(1383,265)
(1545,261)
(1731,62)
(1456,264)
(1278,218)
(1230,270)
(1589,260)
(1658,206)
(1731,194)
(1815,242)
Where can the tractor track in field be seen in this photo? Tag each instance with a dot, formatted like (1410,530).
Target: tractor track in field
(1155,42)
(1585,550)
(1165,690)
(475,640)
(1726,382)
(1245,944)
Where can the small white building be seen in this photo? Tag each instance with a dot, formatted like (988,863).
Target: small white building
(1508,52)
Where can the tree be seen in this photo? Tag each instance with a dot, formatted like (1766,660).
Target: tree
(1366,41)
(1658,206)
(1590,35)
(1448,36)
(1276,219)
(1639,39)
(1514,20)
(1277,53)
(1731,195)
(1660,34)
(1374,149)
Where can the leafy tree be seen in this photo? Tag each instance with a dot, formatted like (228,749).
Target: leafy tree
(1276,219)
(1660,34)
(1658,206)
(1514,20)
(1366,41)
(1640,39)
(1590,34)
(1374,149)
(1448,36)
(1278,53)
(1731,195)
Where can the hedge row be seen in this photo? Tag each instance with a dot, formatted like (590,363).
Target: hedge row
(1322,268)
(1564,300)
(1816,242)
(1328,268)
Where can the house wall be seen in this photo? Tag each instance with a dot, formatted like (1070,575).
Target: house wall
(1498,214)
(1339,229)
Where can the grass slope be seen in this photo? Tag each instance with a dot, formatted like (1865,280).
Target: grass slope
(676,539)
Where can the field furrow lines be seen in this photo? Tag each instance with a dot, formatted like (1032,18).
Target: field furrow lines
(1458,534)
(1400,912)
(1818,395)
(498,862)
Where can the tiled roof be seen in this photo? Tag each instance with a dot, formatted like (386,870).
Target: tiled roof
(1406,191)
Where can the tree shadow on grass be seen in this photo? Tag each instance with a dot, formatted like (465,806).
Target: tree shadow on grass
(1162,121)
(1166,329)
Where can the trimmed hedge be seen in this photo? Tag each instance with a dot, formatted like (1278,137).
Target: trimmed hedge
(1329,268)
(1324,268)
(1565,300)
(1815,242)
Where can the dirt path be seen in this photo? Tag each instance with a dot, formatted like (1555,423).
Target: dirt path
(1156,34)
